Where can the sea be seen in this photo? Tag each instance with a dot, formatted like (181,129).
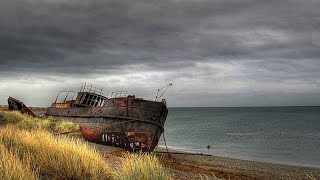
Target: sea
(281,135)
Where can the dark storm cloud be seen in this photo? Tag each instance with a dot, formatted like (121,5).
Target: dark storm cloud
(72,36)
(232,44)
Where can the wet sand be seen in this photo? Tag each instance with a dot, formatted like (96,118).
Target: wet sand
(223,167)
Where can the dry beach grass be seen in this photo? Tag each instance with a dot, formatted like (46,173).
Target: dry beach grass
(55,157)
(9,160)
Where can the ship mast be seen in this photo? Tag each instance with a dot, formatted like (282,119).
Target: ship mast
(162,90)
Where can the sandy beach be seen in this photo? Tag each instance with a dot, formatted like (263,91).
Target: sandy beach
(184,166)
(223,167)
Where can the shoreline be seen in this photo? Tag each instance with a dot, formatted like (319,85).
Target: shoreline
(285,163)
(226,167)
(187,166)
(196,166)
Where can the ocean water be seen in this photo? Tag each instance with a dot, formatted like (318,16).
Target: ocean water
(282,135)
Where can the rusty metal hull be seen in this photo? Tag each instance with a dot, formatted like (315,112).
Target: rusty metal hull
(129,123)
(16,105)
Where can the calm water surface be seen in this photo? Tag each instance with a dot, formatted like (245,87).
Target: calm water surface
(285,135)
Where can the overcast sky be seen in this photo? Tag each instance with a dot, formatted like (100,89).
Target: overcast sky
(215,52)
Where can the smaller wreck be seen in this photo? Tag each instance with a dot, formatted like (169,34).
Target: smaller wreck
(113,119)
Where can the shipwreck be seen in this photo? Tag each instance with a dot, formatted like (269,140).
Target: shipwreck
(110,118)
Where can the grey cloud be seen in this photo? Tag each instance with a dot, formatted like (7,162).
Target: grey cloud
(266,41)
(39,32)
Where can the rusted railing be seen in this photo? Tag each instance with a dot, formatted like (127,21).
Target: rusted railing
(92,89)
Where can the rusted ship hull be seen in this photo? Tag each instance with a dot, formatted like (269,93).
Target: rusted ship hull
(133,136)
(129,123)
(15,104)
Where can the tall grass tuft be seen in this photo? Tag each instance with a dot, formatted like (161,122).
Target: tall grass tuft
(64,126)
(23,121)
(13,116)
(12,167)
(55,157)
(141,167)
